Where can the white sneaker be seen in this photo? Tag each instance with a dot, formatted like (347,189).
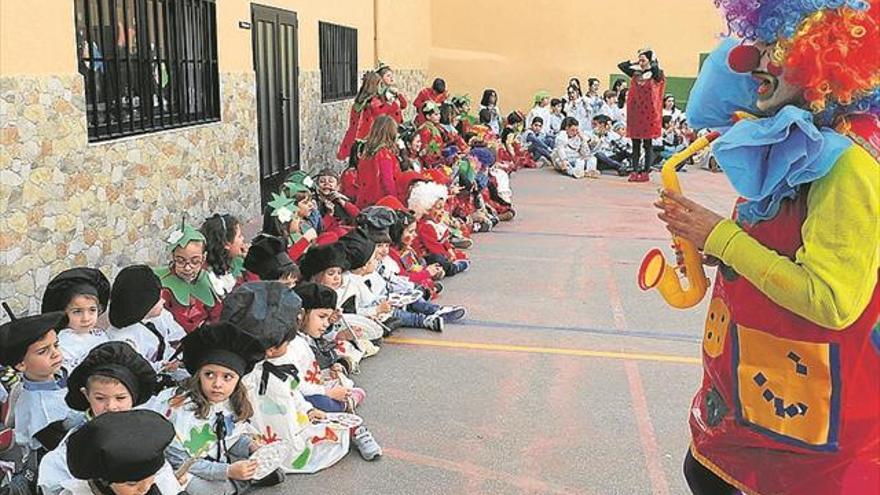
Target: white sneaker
(367,446)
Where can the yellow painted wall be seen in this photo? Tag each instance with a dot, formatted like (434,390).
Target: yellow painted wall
(37,36)
(521,46)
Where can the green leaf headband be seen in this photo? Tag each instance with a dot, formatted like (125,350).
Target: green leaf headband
(183,235)
(282,207)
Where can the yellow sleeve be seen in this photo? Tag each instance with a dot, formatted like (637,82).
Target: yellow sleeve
(832,278)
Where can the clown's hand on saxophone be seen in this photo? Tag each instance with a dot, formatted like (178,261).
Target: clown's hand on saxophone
(655,272)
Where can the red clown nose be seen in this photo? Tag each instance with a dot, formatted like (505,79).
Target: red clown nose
(744,58)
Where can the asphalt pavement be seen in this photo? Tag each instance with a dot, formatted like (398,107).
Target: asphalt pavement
(564,378)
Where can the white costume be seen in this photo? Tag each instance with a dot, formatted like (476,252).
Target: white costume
(281,414)
(76,346)
(148,344)
(572,154)
(197,437)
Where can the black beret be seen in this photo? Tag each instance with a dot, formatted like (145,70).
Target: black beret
(223,344)
(268,258)
(320,258)
(358,248)
(119,447)
(16,335)
(74,282)
(267,310)
(316,296)
(135,291)
(115,360)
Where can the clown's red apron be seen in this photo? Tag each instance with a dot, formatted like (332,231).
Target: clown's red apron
(787,406)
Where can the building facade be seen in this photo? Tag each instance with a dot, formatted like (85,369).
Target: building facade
(119,117)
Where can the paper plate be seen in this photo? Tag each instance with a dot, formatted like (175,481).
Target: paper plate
(342,421)
(269,457)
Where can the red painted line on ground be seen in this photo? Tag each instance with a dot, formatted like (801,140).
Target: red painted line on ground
(650,448)
(474,471)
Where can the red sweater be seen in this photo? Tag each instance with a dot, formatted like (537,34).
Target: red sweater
(424,96)
(377,177)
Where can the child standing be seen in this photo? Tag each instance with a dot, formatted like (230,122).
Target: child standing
(224,244)
(489,102)
(186,288)
(436,93)
(541,107)
(210,412)
(369,88)
(83,294)
(136,309)
(320,388)
(30,346)
(111,379)
(554,124)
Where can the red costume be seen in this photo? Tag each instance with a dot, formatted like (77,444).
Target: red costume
(432,143)
(644,107)
(379,106)
(377,177)
(425,95)
(354,117)
(194,314)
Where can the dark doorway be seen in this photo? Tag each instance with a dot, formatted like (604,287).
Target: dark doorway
(277,71)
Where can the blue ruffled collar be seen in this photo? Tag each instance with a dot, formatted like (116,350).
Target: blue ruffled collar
(766,160)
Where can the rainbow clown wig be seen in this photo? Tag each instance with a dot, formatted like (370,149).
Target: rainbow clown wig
(828,47)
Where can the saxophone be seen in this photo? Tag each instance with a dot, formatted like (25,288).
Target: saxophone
(655,272)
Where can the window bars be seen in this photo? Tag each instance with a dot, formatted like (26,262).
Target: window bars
(147,65)
(338,50)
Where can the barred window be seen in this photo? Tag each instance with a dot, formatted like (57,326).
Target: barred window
(147,65)
(338,61)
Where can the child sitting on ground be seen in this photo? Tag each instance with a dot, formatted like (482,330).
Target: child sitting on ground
(224,251)
(269,311)
(511,154)
(268,259)
(30,346)
(536,140)
(83,295)
(611,151)
(337,211)
(427,200)
(328,390)
(186,288)
(572,155)
(431,135)
(541,108)
(283,218)
(210,412)
(136,314)
(111,379)
(120,453)
(412,265)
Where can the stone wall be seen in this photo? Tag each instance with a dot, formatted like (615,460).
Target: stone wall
(322,125)
(66,202)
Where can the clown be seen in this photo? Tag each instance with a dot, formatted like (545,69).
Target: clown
(788,401)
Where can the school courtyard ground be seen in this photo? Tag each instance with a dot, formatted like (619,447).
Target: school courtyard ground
(566,378)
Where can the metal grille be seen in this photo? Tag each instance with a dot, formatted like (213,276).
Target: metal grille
(338,61)
(148,65)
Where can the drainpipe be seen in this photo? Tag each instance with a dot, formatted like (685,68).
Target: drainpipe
(375,33)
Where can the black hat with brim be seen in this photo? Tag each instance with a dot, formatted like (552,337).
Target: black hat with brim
(267,257)
(75,282)
(320,258)
(358,248)
(17,335)
(316,296)
(114,360)
(223,344)
(266,310)
(119,447)
(135,291)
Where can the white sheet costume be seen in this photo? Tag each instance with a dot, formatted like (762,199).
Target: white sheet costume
(281,414)
(76,346)
(147,343)
(217,441)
